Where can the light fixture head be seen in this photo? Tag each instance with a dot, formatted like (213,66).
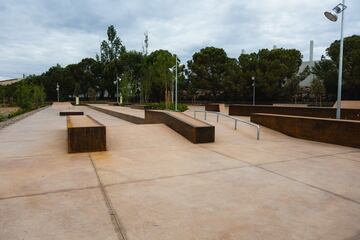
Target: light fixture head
(331,16)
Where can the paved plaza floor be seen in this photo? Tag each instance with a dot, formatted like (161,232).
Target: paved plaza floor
(153,184)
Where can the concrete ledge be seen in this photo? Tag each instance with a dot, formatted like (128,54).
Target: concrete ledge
(139,106)
(20,117)
(71,113)
(213,107)
(194,130)
(85,134)
(341,132)
(317,112)
(123,116)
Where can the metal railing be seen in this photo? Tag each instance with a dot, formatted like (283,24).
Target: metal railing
(218,114)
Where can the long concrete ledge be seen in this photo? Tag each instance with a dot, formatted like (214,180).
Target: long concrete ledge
(341,132)
(123,116)
(194,130)
(70,113)
(85,134)
(317,112)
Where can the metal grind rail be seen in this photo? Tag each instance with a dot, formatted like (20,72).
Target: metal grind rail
(236,120)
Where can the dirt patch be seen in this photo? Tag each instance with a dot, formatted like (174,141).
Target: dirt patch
(7,110)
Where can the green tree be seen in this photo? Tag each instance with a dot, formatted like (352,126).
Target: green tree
(112,48)
(317,89)
(29,96)
(158,65)
(291,88)
(271,68)
(207,71)
(327,70)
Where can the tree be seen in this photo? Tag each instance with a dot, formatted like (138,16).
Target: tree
(291,88)
(317,89)
(327,70)
(112,48)
(29,96)
(132,64)
(271,68)
(207,71)
(158,64)
(110,52)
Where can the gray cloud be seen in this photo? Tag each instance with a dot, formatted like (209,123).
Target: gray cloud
(36,34)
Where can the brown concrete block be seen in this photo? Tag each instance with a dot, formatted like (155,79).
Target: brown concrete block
(85,134)
(213,107)
(194,130)
(341,132)
(71,113)
(317,112)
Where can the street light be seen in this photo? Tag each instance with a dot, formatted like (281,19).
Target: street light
(118,79)
(176,80)
(253,79)
(332,16)
(57,90)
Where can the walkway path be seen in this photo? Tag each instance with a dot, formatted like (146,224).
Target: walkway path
(153,184)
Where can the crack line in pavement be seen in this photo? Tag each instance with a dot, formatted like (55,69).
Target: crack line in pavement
(293,179)
(174,176)
(46,193)
(119,229)
(310,157)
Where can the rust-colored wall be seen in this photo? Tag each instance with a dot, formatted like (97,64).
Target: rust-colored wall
(71,113)
(212,107)
(87,139)
(320,112)
(123,116)
(341,132)
(195,134)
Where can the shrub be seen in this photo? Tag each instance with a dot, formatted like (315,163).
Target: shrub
(17,113)
(29,96)
(162,106)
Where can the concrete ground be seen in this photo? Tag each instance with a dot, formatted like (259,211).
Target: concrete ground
(153,184)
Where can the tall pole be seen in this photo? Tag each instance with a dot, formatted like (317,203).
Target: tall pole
(176,80)
(253,78)
(57,90)
(117,89)
(338,102)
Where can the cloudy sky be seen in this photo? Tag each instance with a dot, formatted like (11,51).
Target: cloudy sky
(36,34)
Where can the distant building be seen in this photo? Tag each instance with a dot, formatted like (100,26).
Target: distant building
(10,81)
(311,63)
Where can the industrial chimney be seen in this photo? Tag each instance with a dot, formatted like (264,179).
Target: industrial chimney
(311,56)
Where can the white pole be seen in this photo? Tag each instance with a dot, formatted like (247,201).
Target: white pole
(254,91)
(176,80)
(57,89)
(117,90)
(338,102)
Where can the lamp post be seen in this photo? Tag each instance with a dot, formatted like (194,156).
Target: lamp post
(57,90)
(253,79)
(118,79)
(176,81)
(332,16)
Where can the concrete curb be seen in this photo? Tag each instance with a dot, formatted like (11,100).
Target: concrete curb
(20,117)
